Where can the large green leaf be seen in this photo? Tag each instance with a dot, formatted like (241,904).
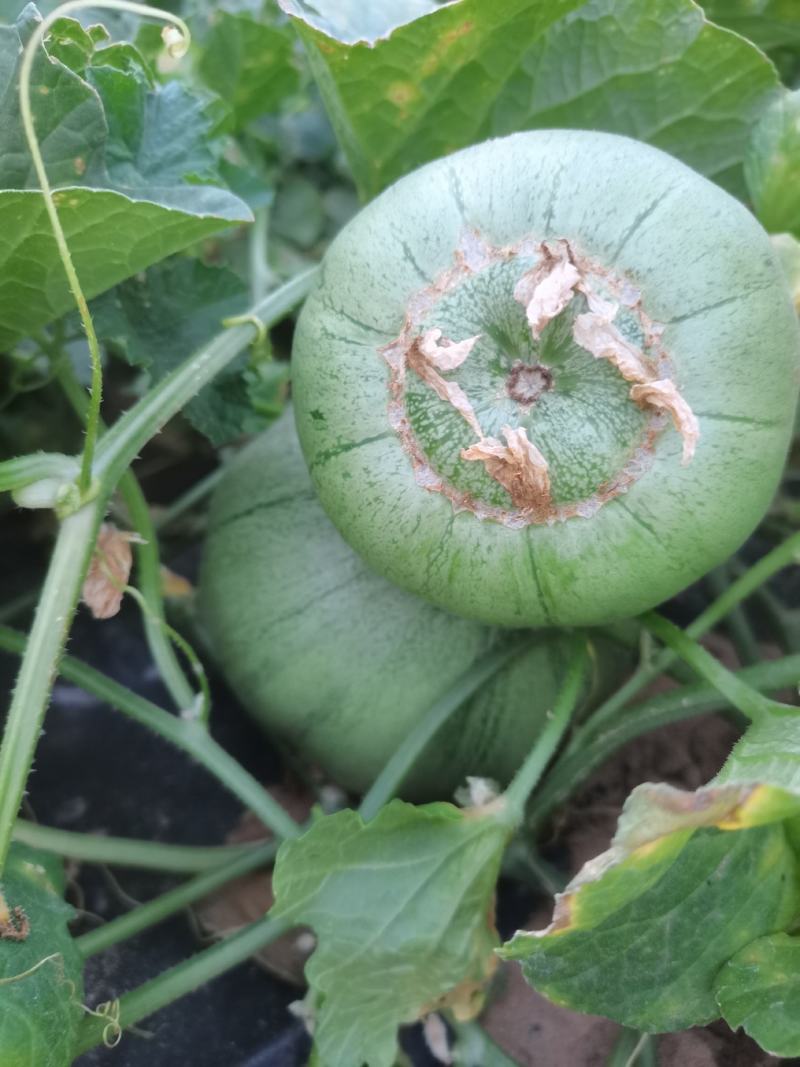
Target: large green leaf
(652,69)
(772,166)
(129,157)
(642,931)
(250,62)
(41,970)
(402,910)
(426,89)
(770,23)
(759,989)
(111,237)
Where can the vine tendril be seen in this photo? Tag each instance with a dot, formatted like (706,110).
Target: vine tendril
(177,41)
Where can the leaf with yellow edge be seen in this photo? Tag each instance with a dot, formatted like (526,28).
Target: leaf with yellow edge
(690,879)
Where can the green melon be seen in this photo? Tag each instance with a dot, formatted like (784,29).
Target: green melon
(336,662)
(548,380)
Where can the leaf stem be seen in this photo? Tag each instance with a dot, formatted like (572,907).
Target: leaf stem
(175,900)
(128,852)
(17,473)
(739,694)
(744,586)
(48,634)
(28,125)
(573,768)
(120,446)
(148,562)
(405,756)
(185,978)
(527,777)
(186,734)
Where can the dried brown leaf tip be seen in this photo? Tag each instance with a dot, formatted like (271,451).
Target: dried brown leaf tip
(431,354)
(663,394)
(518,466)
(109,571)
(546,289)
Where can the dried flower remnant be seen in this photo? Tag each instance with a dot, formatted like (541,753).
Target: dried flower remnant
(431,354)
(109,571)
(600,337)
(664,394)
(518,466)
(546,289)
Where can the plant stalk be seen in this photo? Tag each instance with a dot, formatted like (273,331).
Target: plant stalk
(48,634)
(156,911)
(184,978)
(527,777)
(128,852)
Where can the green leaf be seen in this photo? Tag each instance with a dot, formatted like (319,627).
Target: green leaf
(641,933)
(111,237)
(652,69)
(250,63)
(129,155)
(156,320)
(353,21)
(39,1013)
(432,83)
(770,23)
(402,910)
(759,989)
(772,166)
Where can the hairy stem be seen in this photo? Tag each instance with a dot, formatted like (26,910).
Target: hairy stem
(148,562)
(48,634)
(127,852)
(156,911)
(188,735)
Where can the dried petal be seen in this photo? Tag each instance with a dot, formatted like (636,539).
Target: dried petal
(518,466)
(547,288)
(449,354)
(426,355)
(109,571)
(664,394)
(600,337)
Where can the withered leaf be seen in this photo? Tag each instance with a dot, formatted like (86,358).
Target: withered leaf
(108,571)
